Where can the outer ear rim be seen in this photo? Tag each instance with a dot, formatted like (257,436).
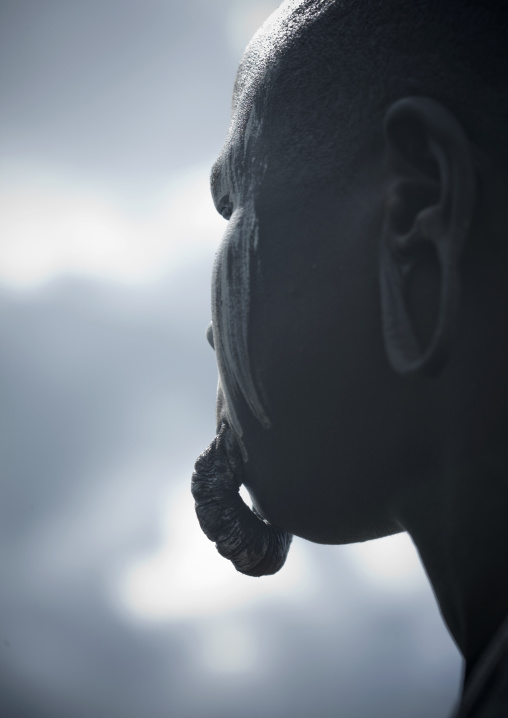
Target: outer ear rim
(403,351)
(452,218)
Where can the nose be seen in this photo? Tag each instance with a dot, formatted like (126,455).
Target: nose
(209,335)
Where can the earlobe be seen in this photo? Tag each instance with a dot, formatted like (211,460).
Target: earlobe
(428,214)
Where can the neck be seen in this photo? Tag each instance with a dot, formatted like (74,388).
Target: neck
(464,548)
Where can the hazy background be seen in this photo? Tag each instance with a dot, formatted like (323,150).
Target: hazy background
(112,602)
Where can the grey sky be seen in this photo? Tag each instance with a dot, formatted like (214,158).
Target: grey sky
(120,88)
(110,113)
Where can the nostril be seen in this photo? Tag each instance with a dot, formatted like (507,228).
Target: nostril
(209,335)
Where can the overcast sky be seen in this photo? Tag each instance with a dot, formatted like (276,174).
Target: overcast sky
(112,602)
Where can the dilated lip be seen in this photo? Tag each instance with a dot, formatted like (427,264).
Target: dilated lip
(240,534)
(217,469)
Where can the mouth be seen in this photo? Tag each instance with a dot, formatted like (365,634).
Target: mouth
(255,547)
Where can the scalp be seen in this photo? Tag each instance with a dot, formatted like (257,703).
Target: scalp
(280,31)
(341,63)
(317,80)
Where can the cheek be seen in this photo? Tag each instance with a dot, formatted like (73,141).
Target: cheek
(312,318)
(316,348)
(315,305)
(231,298)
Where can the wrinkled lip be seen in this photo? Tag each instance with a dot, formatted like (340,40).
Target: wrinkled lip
(240,534)
(221,459)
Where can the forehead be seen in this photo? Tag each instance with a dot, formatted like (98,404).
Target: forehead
(262,55)
(256,76)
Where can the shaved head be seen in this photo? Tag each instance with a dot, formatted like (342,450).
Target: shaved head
(329,70)
(374,53)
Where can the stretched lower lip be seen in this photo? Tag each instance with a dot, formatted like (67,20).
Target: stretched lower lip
(253,546)
(221,465)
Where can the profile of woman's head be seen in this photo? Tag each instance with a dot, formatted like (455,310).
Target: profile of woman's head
(359,294)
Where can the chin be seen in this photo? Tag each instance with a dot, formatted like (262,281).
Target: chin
(318,518)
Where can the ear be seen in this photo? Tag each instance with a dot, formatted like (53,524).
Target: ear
(429,211)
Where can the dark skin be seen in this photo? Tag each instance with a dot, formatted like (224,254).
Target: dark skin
(377,336)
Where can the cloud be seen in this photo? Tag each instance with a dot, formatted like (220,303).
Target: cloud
(115,603)
(51,225)
(186,577)
(390,563)
(108,391)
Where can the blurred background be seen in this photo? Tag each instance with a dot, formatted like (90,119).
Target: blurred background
(112,601)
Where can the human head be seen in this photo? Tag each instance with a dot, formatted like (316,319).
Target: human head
(361,135)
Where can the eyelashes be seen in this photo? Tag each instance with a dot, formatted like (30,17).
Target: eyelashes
(225,208)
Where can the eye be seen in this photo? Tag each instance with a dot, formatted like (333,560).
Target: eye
(225,207)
